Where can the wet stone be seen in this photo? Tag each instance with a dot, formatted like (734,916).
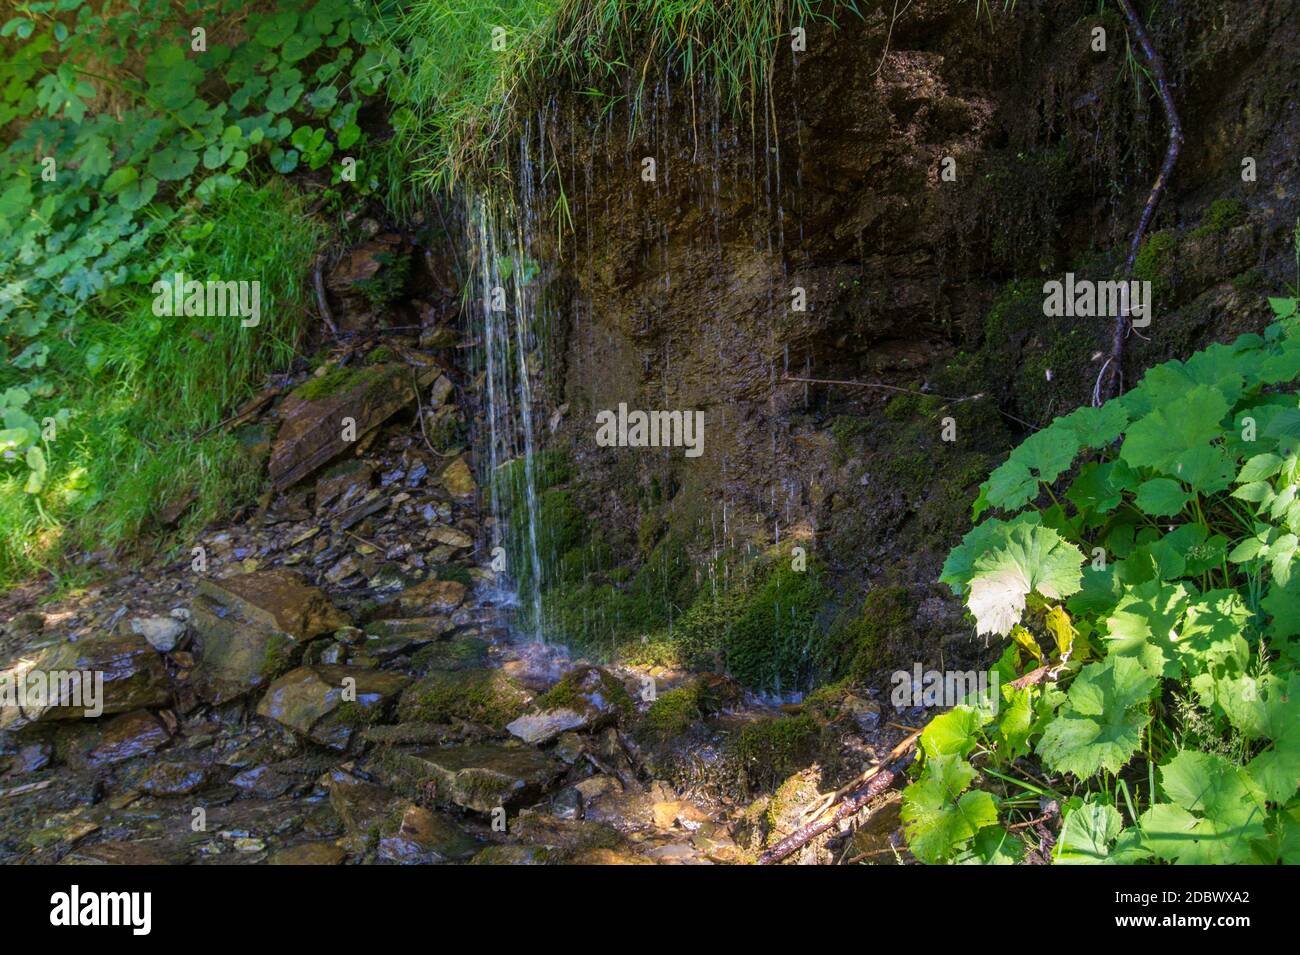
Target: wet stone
(127,736)
(424,837)
(253,628)
(481,777)
(310,700)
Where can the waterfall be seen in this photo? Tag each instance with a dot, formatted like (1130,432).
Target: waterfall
(508,329)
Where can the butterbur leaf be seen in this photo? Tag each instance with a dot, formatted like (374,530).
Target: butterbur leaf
(1214,815)
(1087,833)
(1042,457)
(1100,726)
(1282,604)
(938,814)
(1161,497)
(955,732)
(992,845)
(1023,559)
(1143,625)
(1161,437)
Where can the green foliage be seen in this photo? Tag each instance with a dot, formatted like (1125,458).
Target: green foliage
(1153,541)
(131,150)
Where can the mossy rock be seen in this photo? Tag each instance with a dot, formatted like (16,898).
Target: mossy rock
(858,643)
(769,750)
(588,689)
(484,696)
(1219,216)
(458,653)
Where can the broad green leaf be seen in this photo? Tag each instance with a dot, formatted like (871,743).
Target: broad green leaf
(938,814)
(1143,625)
(1161,497)
(1161,437)
(992,845)
(1214,817)
(1100,726)
(1024,559)
(954,732)
(1087,833)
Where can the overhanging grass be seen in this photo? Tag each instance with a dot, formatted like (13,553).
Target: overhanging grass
(460,97)
(141,388)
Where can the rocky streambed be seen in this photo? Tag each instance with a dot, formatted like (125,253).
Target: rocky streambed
(332,679)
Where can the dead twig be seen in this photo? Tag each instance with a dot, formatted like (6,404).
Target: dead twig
(855,795)
(905,391)
(322,302)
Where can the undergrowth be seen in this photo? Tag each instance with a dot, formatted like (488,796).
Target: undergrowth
(1144,578)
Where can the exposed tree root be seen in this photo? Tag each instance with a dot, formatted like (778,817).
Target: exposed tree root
(1110,379)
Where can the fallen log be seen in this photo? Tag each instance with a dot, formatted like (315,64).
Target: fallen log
(856,794)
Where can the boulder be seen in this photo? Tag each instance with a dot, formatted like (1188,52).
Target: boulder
(63,681)
(310,701)
(311,431)
(480,777)
(478,695)
(253,628)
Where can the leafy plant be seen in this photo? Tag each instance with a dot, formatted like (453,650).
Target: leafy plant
(1145,552)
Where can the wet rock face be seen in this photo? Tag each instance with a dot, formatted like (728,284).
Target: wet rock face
(679,293)
(252,628)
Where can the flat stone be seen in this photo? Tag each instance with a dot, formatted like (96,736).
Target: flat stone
(311,430)
(127,736)
(431,597)
(132,672)
(485,696)
(310,701)
(450,536)
(343,482)
(253,628)
(481,777)
(458,653)
(538,728)
(362,806)
(425,837)
(308,853)
(172,779)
